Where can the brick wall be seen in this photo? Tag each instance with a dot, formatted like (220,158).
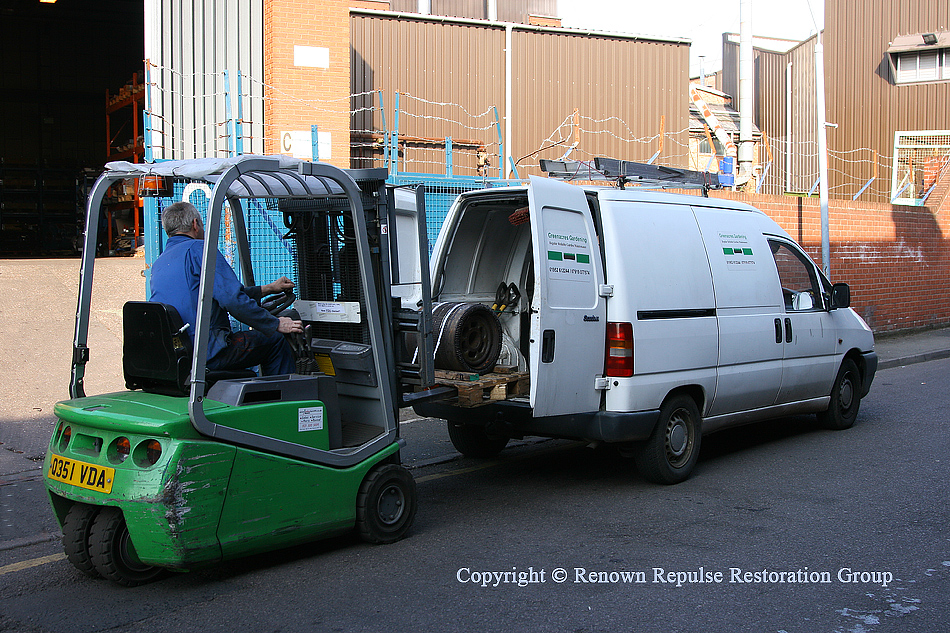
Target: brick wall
(895,258)
(307,70)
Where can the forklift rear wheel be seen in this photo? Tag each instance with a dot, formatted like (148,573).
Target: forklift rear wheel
(113,553)
(475,441)
(386,504)
(76,529)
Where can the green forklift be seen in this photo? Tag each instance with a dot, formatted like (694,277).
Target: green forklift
(190,467)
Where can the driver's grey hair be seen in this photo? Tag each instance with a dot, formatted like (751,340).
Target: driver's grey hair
(178,217)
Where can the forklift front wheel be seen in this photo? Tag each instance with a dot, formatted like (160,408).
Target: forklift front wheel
(112,551)
(386,504)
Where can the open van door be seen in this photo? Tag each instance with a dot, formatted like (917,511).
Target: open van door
(568,313)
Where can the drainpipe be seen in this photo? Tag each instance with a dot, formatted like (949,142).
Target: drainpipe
(788,127)
(508,32)
(822,156)
(746,101)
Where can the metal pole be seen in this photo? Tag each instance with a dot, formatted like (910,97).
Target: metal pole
(746,101)
(508,114)
(227,113)
(315,143)
(822,156)
(238,132)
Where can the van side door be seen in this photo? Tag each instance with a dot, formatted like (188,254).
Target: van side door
(808,332)
(568,315)
(748,308)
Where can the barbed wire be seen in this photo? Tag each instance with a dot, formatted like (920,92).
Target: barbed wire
(853,171)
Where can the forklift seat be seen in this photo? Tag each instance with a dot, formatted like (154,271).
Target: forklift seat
(157,352)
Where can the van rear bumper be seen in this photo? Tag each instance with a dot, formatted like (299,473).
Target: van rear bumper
(517,419)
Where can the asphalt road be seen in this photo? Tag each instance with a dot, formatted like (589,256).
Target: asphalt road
(783,527)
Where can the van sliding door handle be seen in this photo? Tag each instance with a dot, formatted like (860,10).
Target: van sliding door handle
(788,330)
(778,330)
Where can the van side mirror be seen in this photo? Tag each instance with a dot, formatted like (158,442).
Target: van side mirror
(840,296)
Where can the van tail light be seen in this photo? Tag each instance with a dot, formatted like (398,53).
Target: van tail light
(619,350)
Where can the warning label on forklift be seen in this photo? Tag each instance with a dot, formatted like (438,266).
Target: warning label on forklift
(310,419)
(568,256)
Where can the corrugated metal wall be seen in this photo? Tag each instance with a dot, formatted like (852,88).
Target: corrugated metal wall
(190,43)
(508,10)
(621,87)
(861,96)
(792,142)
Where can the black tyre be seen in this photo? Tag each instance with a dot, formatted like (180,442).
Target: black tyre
(670,454)
(468,337)
(845,398)
(112,551)
(386,504)
(76,530)
(475,441)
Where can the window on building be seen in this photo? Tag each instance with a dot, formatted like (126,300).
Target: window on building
(923,66)
(920,57)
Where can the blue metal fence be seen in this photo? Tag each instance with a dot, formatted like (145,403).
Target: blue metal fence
(273,255)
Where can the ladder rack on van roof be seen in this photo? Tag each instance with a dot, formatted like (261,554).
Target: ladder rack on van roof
(625,172)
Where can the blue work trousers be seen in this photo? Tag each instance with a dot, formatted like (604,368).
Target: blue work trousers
(249,348)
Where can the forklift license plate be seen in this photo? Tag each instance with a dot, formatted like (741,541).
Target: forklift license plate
(81,474)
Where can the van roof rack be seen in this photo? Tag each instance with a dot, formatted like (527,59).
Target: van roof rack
(625,172)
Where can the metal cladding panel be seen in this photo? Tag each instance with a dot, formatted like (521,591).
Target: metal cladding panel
(520,10)
(190,43)
(448,74)
(861,95)
(476,9)
(775,100)
(508,10)
(620,88)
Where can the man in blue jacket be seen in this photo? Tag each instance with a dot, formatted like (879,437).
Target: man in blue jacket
(175,278)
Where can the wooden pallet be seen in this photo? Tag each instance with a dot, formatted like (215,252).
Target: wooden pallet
(475,390)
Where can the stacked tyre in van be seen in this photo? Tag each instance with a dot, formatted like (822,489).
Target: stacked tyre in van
(647,320)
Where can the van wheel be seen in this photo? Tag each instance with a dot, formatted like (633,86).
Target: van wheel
(475,441)
(76,529)
(845,398)
(670,454)
(113,553)
(386,504)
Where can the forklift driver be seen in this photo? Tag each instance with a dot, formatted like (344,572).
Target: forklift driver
(175,277)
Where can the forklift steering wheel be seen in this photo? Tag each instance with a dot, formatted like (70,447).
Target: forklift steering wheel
(278,302)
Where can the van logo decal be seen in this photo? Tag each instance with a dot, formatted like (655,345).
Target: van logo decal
(560,256)
(591,318)
(737,251)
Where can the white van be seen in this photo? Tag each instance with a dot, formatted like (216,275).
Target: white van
(645,319)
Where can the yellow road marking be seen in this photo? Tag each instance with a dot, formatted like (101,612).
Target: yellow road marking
(35,562)
(52,558)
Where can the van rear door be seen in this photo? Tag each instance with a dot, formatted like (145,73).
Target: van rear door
(568,315)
